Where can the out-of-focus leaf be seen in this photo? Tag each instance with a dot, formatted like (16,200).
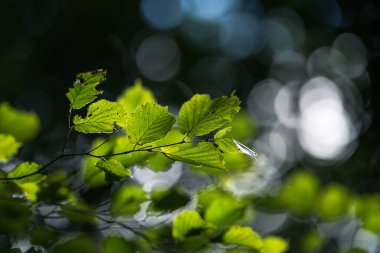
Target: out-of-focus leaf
(273,244)
(23,126)
(148,123)
(127,200)
(135,96)
(80,244)
(333,202)
(43,236)
(243,236)
(26,168)
(356,250)
(188,223)
(201,115)
(116,244)
(92,175)
(168,200)
(123,144)
(311,242)
(203,153)
(158,162)
(225,211)
(242,127)
(300,192)
(84,90)
(114,167)
(78,212)
(102,117)
(367,208)
(8,147)
(14,215)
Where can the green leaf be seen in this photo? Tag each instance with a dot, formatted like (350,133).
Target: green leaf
(102,116)
(168,200)
(26,168)
(43,236)
(127,200)
(225,211)
(80,244)
(148,123)
(78,212)
(201,115)
(333,202)
(8,147)
(24,126)
(84,90)
(273,244)
(116,244)
(243,236)
(187,223)
(135,96)
(204,153)
(114,167)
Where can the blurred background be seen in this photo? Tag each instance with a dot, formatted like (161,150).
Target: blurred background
(307,72)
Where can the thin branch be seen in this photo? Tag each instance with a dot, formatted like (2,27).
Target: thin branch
(68,130)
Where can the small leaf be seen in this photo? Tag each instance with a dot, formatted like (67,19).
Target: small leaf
(243,236)
(24,126)
(224,211)
(135,96)
(273,244)
(204,153)
(114,167)
(26,168)
(245,149)
(127,200)
(84,90)
(201,115)
(186,223)
(102,116)
(148,123)
(8,147)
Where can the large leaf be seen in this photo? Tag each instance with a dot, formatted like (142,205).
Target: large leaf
(187,223)
(243,236)
(24,126)
(127,200)
(203,153)
(201,115)
(113,167)
(135,96)
(102,116)
(148,123)
(24,169)
(84,90)
(8,147)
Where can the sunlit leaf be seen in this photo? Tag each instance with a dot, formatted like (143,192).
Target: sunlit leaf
(224,211)
(114,167)
(333,202)
(84,90)
(201,115)
(23,126)
(127,200)
(187,223)
(24,169)
(135,96)
(203,153)
(158,162)
(8,147)
(273,244)
(102,117)
(243,236)
(224,142)
(122,144)
(148,123)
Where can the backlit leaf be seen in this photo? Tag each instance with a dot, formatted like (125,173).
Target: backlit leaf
(135,96)
(273,244)
(114,167)
(84,90)
(186,223)
(148,123)
(243,236)
(225,211)
(24,169)
(24,126)
(127,200)
(102,117)
(203,153)
(201,115)
(8,147)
